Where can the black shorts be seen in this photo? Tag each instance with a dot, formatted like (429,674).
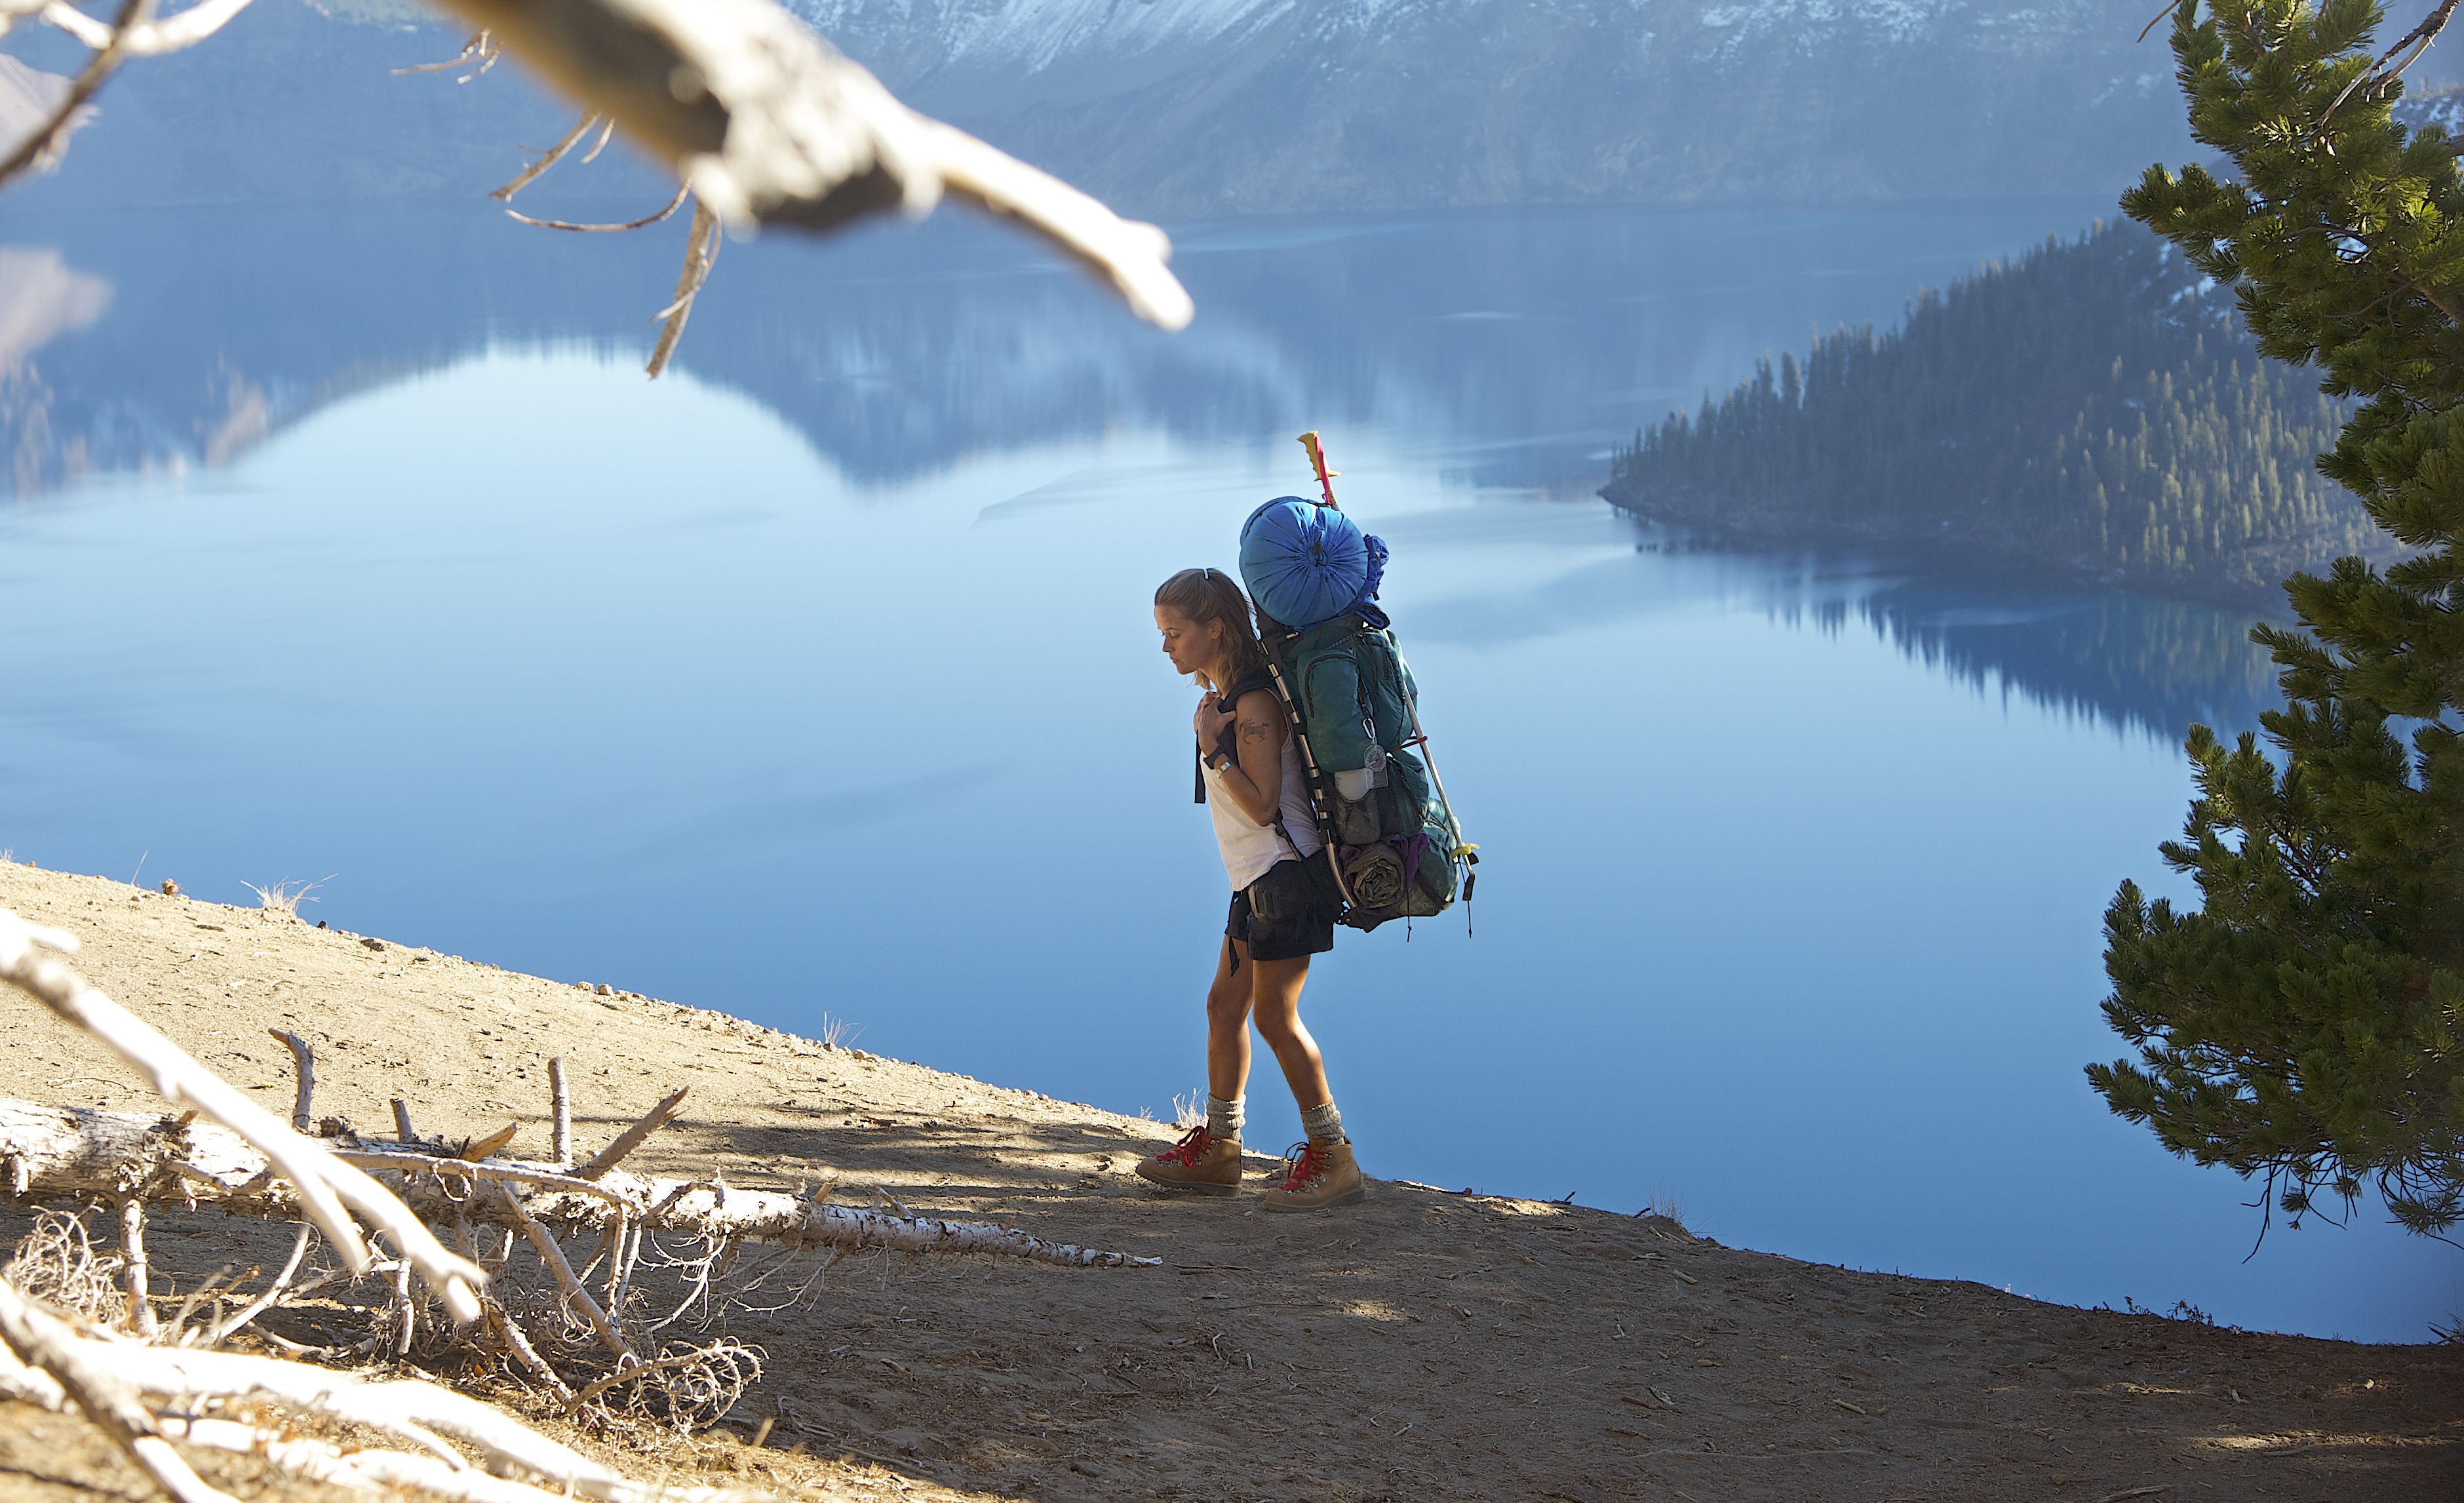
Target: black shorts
(1280,916)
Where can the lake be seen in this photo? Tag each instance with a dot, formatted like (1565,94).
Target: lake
(816,681)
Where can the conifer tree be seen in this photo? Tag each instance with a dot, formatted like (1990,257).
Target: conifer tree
(2304,1024)
(2090,409)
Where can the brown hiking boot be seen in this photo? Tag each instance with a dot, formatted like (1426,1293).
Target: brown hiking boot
(1316,1176)
(1201,1163)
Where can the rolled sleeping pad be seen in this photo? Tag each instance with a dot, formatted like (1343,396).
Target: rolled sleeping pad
(1304,563)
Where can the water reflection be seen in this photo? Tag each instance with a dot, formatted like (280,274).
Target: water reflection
(1518,345)
(2158,665)
(2131,662)
(1509,348)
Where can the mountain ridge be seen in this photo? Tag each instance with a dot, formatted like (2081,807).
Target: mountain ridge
(1263,105)
(1192,108)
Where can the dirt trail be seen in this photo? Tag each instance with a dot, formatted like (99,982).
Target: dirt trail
(1424,1345)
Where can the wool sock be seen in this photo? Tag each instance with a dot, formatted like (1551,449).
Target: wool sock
(1324,1124)
(1223,1118)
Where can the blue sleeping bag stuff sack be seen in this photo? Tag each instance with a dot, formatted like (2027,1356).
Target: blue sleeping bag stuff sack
(1305,563)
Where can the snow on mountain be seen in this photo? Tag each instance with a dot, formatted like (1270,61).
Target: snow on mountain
(1193,106)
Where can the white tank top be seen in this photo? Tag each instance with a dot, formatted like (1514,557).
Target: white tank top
(1250,851)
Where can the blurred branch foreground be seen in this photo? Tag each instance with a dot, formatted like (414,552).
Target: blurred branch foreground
(761,122)
(79,1328)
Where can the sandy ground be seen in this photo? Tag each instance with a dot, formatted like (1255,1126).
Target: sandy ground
(1423,1345)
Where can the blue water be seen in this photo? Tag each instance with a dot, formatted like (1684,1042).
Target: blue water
(817,679)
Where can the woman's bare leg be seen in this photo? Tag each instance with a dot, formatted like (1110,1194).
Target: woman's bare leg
(1228,1023)
(1275,995)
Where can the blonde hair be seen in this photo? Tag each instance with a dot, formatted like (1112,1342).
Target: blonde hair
(1205,595)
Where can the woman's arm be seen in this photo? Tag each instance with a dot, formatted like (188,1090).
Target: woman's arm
(1255,779)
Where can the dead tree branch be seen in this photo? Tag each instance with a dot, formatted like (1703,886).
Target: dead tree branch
(133,1268)
(2392,63)
(77,1151)
(42,144)
(634,1137)
(560,1109)
(701,253)
(93,1381)
(769,125)
(546,159)
(132,32)
(224,1330)
(323,1182)
(304,1060)
(412,1409)
(138,36)
(647,220)
(576,1297)
(480,51)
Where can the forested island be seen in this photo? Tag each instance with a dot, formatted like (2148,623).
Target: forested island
(2094,409)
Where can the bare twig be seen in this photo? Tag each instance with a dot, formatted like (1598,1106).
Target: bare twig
(409,1307)
(561,1115)
(701,253)
(306,1063)
(634,1137)
(133,1268)
(510,1331)
(598,1385)
(554,1256)
(673,204)
(617,1268)
(224,1330)
(2412,45)
(401,1128)
(481,49)
(546,159)
(478,1148)
(439,1168)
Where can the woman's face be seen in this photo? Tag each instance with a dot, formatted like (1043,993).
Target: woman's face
(1192,648)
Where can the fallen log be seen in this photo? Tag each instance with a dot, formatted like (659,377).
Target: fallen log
(53,1152)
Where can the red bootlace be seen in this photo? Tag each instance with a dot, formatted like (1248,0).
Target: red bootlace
(1306,1167)
(1186,1151)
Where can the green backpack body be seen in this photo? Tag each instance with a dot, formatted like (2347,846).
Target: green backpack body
(1394,849)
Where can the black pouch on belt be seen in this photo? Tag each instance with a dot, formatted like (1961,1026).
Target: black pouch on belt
(1282,894)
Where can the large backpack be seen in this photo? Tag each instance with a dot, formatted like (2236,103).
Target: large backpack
(1394,847)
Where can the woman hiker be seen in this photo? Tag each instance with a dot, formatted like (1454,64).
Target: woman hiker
(1265,829)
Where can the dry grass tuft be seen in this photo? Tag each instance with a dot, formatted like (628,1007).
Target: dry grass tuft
(284,897)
